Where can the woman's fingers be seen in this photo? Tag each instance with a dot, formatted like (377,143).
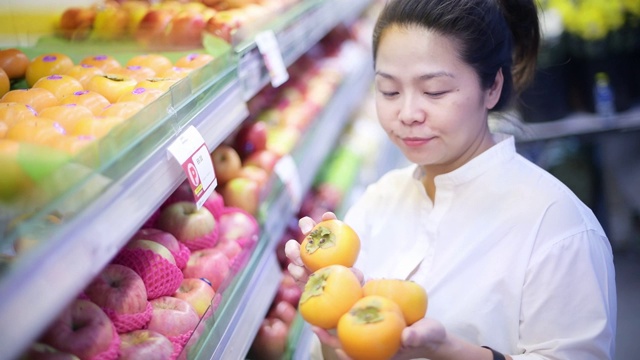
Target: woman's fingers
(306,224)
(328,216)
(292,251)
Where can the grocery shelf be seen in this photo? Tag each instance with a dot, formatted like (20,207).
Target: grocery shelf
(120,197)
(579,123)
(296,32)
(59,268)
(240,313)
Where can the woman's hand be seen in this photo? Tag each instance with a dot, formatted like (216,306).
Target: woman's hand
(422,339)
(292,249)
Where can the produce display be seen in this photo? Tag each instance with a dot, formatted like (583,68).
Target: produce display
(158,288)
(165,24)
(153,297)
(70,114)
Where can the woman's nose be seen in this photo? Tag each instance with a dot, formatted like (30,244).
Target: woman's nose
(411,111)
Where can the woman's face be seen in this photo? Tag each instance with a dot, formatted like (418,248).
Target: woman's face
(430,102)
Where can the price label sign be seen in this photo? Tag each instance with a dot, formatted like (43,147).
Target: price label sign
(287,170)
(270,50)
(191,152)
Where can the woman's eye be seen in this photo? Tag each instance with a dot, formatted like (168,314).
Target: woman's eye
(435,93)
(389,93)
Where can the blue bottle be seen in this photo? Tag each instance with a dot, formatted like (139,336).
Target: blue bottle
(603,96)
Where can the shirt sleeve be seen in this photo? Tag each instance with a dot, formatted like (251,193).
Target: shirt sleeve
(569,301)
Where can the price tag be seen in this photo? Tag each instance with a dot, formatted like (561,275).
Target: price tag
(287,170)
(191,152)
(270,50)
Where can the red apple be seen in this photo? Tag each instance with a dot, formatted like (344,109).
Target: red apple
(185,29)
(39,351)
(75,22)
(119,288)
(270,342)
(226,163)
(152,246)
(230,248)
(211,264)
(145,344)
(288,290)
(256,173)
(242,193)
(265,159)
(236,224)
(163,238)
(251,137)
(172,316)
(284,311)
(152,26)
(186,222)
(82,329)
(196,292)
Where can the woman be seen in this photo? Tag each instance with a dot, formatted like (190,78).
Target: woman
(515,265)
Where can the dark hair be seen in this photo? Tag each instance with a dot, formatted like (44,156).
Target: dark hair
(491,35)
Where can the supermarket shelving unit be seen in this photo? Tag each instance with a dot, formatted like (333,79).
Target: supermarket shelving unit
(37,287)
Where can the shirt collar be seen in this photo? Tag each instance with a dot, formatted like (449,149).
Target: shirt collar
(503,150)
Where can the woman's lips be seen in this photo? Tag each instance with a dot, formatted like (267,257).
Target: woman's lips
(415,141)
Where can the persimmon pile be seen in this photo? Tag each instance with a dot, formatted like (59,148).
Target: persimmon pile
(369,319)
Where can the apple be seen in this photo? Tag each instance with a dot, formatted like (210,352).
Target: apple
(196,292)
(211,264)
(226,163)
(154,246)
(164,238)
(40,351)
(243,193)
(236,224)
(288,290)
(265,159)
(222,25)
(215,204)
(256,173)
(284,311)
(172,316)
(187,223)
(75,22)
(185,29)
(251,137)
(282,140)
(82,329)
(145,344)
(118,288)
(270,342)
(110,22)
(230,248)
(151,28)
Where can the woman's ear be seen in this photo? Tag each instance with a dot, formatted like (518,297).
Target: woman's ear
(494,92)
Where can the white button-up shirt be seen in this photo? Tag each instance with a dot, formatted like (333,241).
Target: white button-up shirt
(509,256)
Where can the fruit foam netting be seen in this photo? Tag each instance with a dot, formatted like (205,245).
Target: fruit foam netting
(182,256)
(129,322)
(215,205)
(179,342)
(203,242)
(159,275)
(112,352)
